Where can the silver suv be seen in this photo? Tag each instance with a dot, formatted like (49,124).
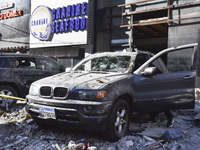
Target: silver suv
(102,91)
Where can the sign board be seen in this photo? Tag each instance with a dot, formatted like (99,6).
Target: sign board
(6,6)
(58,23)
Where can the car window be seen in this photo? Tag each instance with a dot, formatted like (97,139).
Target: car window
(140,60)
(48,64)
(27,63)
(106,63)
(181,60)
(5,62)
(175,61)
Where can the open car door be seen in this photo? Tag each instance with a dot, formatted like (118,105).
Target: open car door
(167,80)
(197,80)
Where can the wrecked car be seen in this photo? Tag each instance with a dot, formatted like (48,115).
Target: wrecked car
(103,90)
(18,71)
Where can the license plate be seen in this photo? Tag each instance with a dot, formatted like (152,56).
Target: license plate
(47,113)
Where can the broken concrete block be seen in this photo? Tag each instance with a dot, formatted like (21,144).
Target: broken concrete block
(79,146)
(65,148)
(129,143)
(153,132)
(29,121)
(48,137)
(173,134)
(134,127)
(148,139)
(110,148)
(71,144)
(58,147)
(92,148)
(21,141)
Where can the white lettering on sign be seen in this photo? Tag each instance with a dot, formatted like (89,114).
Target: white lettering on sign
(6,6)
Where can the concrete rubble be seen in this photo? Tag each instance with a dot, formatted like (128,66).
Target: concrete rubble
(18,131)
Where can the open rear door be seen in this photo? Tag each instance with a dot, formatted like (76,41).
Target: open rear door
(197,80)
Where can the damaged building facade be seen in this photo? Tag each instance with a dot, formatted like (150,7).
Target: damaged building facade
(112,25)
(14,29)
(70,30)
(150,25)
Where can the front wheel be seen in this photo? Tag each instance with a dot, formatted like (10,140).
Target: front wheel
(7,103)
(118,122)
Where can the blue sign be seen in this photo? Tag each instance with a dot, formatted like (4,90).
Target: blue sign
(40,22)
(45,22)
(69,18)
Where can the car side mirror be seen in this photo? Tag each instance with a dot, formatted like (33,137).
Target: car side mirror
(149,71)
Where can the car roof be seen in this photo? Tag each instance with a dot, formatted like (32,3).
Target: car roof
(120,53)
(21,55)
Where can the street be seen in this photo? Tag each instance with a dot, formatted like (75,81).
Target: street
(19,131)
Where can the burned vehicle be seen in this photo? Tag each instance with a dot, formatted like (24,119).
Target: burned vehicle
(102,91)
(18,71)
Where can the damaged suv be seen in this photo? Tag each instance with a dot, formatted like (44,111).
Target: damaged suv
(102,91)
(18,71)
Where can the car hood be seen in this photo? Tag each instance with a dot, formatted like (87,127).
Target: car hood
(81,80)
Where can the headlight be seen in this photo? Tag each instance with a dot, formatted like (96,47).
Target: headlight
(88,94)
(34,90)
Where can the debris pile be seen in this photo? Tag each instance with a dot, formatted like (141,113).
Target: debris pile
(17,117)
(18,131)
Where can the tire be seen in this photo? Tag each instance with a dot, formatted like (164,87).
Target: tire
(118,121)
(7,103)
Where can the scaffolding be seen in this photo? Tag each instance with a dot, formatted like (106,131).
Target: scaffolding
(153,21)
(157,20)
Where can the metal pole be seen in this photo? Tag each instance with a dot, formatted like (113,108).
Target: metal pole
(131,31)
(168,5)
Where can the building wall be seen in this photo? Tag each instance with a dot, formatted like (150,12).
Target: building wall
(105,35)
(179,32)
(14,32)
(184,31)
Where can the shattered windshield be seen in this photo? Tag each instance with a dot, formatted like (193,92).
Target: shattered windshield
(106,64)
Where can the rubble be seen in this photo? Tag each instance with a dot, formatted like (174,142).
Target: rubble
(129,143)
(154,132)
(173,134)
(18,131)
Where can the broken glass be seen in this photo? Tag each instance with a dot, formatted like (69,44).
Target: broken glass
(106,64)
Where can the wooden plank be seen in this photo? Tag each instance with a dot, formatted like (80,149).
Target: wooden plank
(163,8)
(152,22)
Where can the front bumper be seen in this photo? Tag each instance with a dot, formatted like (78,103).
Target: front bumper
(89,115)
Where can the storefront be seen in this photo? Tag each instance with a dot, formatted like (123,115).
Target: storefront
(70,30)
(14,29)
(62,29)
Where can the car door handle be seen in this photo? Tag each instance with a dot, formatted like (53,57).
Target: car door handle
(188,77)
